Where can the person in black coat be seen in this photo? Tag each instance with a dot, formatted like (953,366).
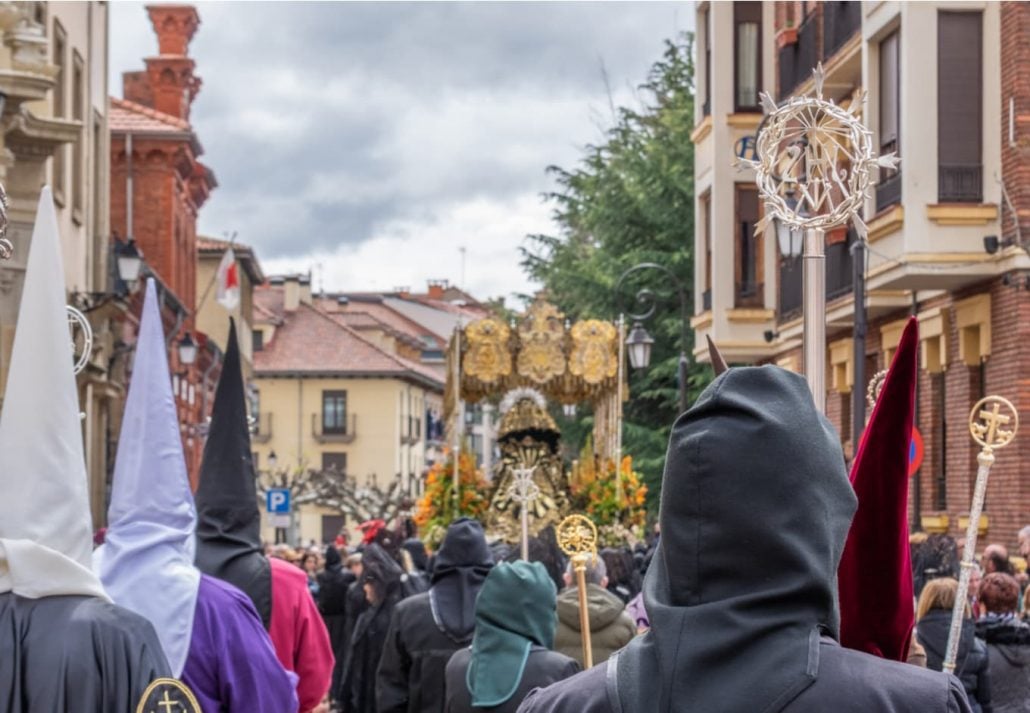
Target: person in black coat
(933,623)
(427,628)
(1008,643)
(510,653)
(741,593)
(333,583)
(381,581)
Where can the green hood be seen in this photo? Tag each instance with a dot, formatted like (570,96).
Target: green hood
(514,611)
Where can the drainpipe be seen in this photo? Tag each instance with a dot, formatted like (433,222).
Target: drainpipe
(859,338)
(128,185)
(917,509)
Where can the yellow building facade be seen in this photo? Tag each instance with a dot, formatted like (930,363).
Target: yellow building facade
(326,396)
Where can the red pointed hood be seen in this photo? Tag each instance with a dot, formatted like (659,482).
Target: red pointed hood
(875,575)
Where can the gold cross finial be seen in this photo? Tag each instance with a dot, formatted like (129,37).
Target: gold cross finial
(168,704)
(987,421)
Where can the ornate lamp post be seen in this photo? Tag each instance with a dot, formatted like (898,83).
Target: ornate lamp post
(813,166)
(639,341)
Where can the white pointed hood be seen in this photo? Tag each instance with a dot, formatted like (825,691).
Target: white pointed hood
(46,533)
(146,561)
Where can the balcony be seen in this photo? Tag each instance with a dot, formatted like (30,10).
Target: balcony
(841,20)
(261,428)
(840,275)
(411,430)
(790,289)
(888,192)
(345,434)
(960,183)
(796,61)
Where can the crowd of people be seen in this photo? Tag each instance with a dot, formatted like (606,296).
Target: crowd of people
(744,600)
(403,622)
(993,659)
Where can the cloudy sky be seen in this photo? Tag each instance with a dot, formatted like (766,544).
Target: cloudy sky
(372,141)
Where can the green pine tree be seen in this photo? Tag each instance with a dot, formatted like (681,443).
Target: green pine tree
(631,200)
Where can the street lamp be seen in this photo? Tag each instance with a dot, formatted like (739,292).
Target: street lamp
(130,261)
(639,342)
(638,345)
(187,350)
(272,460)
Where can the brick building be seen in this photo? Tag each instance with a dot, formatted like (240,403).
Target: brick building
(948,90)
(158,185)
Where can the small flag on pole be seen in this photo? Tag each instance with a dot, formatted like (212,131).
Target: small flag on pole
(228,281)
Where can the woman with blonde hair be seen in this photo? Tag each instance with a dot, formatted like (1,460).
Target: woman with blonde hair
(933,621)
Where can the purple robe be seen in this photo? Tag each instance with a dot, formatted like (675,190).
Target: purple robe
(231,665)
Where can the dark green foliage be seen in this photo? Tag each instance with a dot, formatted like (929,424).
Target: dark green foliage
(631,200)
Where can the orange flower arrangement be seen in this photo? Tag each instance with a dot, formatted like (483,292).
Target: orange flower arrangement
(435,510)
(593,488)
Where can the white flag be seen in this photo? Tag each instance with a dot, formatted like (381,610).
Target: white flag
(228,281)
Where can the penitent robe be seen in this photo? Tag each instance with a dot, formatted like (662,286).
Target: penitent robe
(245,677)
(75,653)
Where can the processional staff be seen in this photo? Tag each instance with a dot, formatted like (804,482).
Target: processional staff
(524,492)
(992,429)
(577,537)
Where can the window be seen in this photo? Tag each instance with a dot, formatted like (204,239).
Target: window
(748,260)
(959,107)
(79,147)
(60,108)
(257,340)
(747,58)
(888,191)
(335,461)
(334,412)
(706,237)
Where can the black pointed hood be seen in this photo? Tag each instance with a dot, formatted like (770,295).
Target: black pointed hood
(459,570)
(755,509)
(228,519)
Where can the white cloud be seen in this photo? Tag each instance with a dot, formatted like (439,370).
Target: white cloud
(378,138)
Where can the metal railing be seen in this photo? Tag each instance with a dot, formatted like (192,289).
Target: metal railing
(840,275)
(790,289)
(888,192)
(960,183)
(338,434)
(796,61)
(706,300)
(841,21)
(261,431)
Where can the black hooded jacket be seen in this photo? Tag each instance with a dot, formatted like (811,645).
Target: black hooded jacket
(228,519)
(1008,651)
(428,628)
(358,680)
(741,593)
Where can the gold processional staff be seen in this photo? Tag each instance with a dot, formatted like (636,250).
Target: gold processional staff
(992,423)
(577,537)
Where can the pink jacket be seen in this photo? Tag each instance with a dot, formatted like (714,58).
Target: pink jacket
(299,634)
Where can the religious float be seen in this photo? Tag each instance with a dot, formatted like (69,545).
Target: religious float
(540,359)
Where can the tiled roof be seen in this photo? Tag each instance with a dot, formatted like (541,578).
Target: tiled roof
(310,341)
(129,116)
(268,304)
(391,318)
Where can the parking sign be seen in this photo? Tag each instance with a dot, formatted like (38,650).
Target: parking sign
(277,501)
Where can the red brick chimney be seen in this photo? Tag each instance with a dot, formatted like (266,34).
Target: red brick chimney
(168,83)
(437,288)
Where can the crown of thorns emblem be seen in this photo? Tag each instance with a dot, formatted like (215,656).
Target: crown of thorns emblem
(813,162)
